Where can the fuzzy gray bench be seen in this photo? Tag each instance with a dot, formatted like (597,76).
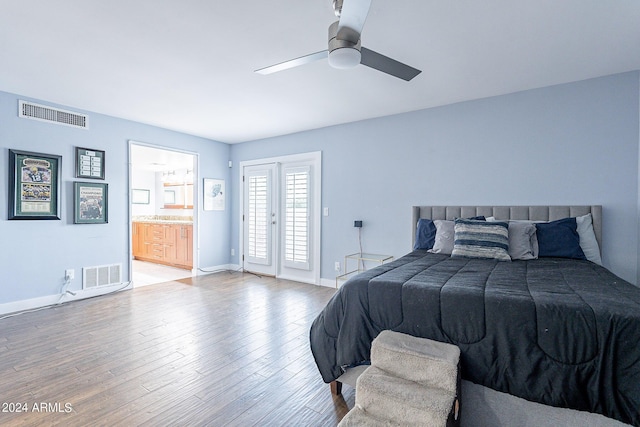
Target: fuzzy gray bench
(411,382)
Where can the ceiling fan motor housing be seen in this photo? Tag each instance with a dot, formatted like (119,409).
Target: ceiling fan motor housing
(342,53)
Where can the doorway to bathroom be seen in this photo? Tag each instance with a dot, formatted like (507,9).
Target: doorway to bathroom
(163,213)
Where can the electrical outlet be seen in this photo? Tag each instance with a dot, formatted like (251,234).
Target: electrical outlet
(336,266)
(233,252)
(69,274)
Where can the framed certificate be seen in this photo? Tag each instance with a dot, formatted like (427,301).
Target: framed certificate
(89,163)
(34,185)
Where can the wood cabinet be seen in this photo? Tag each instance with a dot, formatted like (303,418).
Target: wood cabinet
(163,243)
(184,245)
(136,245)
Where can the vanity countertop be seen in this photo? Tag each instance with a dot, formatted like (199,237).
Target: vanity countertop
(164,219)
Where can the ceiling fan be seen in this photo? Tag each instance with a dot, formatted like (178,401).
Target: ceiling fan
(345,49)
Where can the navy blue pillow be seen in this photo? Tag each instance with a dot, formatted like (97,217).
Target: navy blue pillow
(559,239)
(425,234)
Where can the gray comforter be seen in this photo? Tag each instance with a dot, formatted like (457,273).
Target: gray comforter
(556,331)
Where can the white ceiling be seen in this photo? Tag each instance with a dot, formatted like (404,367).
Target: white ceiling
(188,65)
(147,158)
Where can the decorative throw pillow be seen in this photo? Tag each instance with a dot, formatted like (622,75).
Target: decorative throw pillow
(443,243)
(481,239)
(559,239)
(425,234)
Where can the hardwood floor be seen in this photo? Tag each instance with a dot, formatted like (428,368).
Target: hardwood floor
(216,350)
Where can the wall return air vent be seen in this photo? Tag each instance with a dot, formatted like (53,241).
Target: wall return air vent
(102,275)
(29,110)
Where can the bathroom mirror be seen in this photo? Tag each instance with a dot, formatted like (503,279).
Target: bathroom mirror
(178,196)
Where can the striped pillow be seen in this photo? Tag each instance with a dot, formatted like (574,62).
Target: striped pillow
(480,239)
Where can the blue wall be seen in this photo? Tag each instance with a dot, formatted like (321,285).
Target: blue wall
(35,254)
(575,143)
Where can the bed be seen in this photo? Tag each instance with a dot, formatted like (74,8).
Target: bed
(555,330)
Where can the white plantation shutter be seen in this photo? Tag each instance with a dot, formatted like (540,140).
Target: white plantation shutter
(258,217)
(281,216)
(296,217)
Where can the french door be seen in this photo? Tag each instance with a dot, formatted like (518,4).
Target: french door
(281,218)
(259,219)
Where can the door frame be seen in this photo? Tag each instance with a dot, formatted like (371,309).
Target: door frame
(315,158)
(196,201)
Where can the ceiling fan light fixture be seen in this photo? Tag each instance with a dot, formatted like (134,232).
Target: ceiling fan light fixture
(346,57)
(345,47)
(343,53)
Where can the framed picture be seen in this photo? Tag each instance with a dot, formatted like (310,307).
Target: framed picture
(89,163)
(90,203)
(34,185)
(140,196)
(213,194)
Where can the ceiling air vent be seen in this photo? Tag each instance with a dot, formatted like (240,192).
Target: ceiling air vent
(29,110)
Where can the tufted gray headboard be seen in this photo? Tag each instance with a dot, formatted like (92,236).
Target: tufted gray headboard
(533,213)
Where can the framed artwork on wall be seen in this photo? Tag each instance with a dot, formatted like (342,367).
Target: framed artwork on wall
(169,197)
(34,185)
(140,196)
(90,203)
(89,163)
(213,194)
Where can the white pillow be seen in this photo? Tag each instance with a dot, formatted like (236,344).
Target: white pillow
(444,237)
(588,241)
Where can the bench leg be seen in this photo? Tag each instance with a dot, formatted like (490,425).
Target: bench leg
(336,387)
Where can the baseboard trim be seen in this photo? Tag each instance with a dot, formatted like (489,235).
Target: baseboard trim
(53,300)
(297,279)
(329,283)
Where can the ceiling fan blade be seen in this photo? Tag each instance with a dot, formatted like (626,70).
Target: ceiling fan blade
(294,62)
(352,17)
(387,65)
